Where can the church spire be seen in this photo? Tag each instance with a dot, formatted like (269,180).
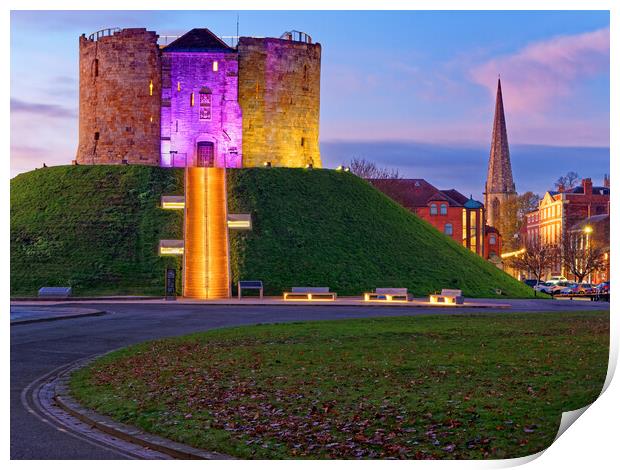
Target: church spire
(499,176)
(499,184)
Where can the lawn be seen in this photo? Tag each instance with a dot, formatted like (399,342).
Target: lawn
(427,387)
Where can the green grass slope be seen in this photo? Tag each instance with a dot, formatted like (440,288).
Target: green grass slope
(329,228)
(95,228)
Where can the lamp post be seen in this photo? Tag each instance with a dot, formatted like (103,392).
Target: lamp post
(588,230)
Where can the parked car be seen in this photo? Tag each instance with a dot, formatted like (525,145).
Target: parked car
(586,289)
(530,282)
(557,279)
(556,288)
(570,289)
(543,287)
(603,287)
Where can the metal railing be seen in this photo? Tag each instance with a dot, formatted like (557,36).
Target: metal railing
(103,33)
(297,36)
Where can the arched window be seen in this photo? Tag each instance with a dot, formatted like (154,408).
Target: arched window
(433,209)
(492,240)
(447,229)
(205,104)
(443,209)
(495,209)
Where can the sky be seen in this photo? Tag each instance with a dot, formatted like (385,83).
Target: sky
(408,90)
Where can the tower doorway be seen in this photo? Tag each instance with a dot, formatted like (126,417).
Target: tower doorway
(205,154)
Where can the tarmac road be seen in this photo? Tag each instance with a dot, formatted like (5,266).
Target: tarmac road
(39,348)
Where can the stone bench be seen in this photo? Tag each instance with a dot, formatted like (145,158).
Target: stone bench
(447,296)
(310,293)
(387,295)
(55,292)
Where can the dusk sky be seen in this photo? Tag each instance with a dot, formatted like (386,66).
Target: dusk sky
(408,90)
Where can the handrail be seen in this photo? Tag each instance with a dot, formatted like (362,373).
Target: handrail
(297,36)
(103,33)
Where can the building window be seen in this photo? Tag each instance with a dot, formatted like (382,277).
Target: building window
(492,240)
(96,135)
(191,99)
(433,209)
(96,67)
(215,66)
(443,209)
(178,86)
(151,88)
(205,106)
(303,141)
(447,229)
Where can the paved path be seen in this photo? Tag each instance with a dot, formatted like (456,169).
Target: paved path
(39,348)
(36,313)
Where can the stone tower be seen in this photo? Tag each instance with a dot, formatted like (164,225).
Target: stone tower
(500,185)
(120,97)
(279,93)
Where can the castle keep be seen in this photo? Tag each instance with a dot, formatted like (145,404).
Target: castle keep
(198,102)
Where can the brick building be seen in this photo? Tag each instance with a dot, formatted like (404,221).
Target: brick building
(198,101)
(563,209)
(449,211)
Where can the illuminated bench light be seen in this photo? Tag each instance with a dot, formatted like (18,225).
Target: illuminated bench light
(374,297)
(173,202)
(240,221)
(171,247)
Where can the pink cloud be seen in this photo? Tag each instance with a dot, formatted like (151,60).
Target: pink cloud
(537,75)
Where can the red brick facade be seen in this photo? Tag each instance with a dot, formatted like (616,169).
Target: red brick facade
(449,211)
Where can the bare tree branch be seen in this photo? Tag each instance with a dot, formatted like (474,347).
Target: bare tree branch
(581,254)
(537,258)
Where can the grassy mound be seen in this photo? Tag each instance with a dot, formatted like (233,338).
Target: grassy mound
(468,387)
(329,228)
(96,228)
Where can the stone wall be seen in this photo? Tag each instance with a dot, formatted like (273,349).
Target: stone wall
(119,108)
(182,126)
(279,94)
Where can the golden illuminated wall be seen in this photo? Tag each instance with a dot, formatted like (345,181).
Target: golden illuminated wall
(205,261)
(279,94)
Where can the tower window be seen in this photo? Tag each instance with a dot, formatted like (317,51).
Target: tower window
(492,240)
(96,135)
(178,86)
(151,88)
(303,141)
(205,105)
(215,66)
(96,67)
(191,99)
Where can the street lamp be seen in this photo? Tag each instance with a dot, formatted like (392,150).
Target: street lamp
(588,230)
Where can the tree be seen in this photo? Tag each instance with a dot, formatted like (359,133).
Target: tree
(582,255)
(514,210)
(536,259)
(567,181)
(369,170)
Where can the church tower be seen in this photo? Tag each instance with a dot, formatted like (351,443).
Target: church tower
(499,186)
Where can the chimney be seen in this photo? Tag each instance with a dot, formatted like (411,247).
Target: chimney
(606,181)
(587,186)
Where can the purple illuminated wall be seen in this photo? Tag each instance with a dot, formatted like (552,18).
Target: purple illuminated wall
(212,119)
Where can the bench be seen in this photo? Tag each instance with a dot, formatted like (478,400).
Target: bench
(387,295)
(55,292)
(310,293)
(255,285)
(447,296)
